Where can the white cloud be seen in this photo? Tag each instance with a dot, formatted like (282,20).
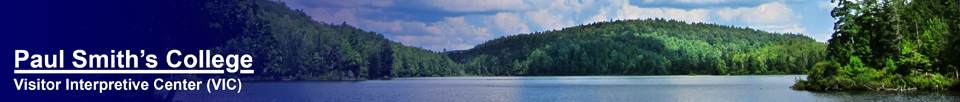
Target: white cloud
(353,3)
(434,43)
(561,5)
(571,10)
(637,12)
(478,5)
(419,40)
(695,15)
(392,26)
(711,2)
(340,3)
(509,23)
(774,17)
(325,15)
(700,1)
(546,21)
(602,16)
(452,33)
(820,37)
(795,29)
(625,11)
(827,5)
(769,13)
(457,25)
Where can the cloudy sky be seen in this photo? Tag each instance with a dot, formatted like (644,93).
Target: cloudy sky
(462,24)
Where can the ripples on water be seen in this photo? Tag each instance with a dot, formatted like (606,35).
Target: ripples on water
(770,88)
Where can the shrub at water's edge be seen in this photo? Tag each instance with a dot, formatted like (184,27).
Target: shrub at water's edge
(829,75)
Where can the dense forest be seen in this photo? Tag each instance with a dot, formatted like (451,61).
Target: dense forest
(288,44)
(643,47)
(890,45)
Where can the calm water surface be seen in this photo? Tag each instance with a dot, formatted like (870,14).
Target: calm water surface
(768,88)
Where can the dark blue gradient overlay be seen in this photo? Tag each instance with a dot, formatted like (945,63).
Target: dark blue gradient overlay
(98,26)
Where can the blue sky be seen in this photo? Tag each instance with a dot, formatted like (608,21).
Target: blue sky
(462,24)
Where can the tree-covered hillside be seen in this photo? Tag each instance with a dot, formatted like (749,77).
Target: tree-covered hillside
(288,44)
(643,47)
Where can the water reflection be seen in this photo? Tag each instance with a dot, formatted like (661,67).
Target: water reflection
(579,89)
(908,96)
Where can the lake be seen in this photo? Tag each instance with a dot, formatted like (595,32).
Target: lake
(768,88)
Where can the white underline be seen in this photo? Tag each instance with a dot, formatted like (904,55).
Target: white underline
(126,71)
(246,71)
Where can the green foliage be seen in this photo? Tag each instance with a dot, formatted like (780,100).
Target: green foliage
(643,47)
(930,81)
(288,44)
(890,45)
(824,70)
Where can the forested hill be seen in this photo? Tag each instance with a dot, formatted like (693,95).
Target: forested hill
(288,44)
(643,47)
